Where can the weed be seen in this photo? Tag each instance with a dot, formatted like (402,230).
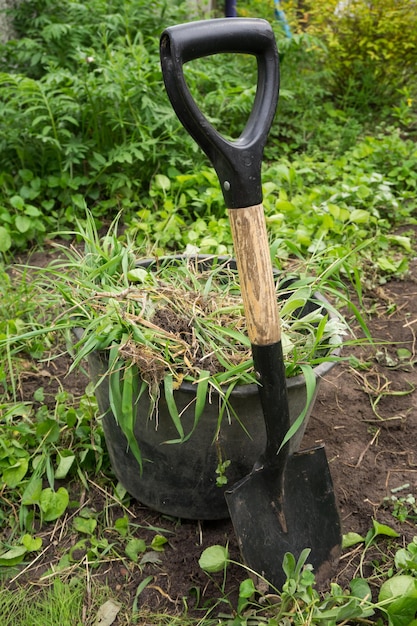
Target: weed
(41,444)
(298,602)
(366,193)
(403,508)
(362,49)
(66,604)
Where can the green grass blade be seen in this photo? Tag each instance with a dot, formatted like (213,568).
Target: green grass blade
(310,379)
(128,413)
(200,403)
(115,395)
(172,406)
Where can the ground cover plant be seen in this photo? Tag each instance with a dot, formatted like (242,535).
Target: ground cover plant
(85,122)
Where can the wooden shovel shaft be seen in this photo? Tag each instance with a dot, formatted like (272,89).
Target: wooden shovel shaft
(254,265)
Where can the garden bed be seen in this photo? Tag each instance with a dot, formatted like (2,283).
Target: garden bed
(366,415)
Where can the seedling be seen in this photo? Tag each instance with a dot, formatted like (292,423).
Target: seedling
(403,508)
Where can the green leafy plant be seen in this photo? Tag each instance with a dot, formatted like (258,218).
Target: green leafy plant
(298,602)
(86,121)
(363,42)
(82,105)
(311,206)
(398,598)
(19,314)
(406,559)
(403,508)
(39,445)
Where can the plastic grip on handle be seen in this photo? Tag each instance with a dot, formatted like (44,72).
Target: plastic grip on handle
(237,163)
(194,40)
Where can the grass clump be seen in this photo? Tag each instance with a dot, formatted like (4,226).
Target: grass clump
(62,603)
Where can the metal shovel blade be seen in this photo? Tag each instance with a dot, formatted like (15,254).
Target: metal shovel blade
(272,516)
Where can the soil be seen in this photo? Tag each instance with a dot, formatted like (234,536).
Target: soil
(365,415)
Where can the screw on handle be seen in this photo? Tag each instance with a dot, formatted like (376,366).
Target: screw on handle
(237,163)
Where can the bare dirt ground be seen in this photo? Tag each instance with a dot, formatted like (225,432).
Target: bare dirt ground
(365,415)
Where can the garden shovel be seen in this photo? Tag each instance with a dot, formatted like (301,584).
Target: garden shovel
(287,502)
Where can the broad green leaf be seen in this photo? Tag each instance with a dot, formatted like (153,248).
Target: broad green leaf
(120,491)
(121,525)
(404,353)
(351,610)
(343,614)
(162,182)
(5,239)
(285,206)
(247,591)
(405,242)
(397,586)
(39,394)
(302,559)
(291,305)
(85,525)
(32,493)
(134,547)
(49,430)
(53,503)
(214,559)
(158,543)
(63,563)
(387,265)
(381,529)
(32,544)
(404,559)
(23,223)
(13,475)
(33,211)
(17,202)
(360,216)
(288,565)
(247,588)
(351,539)
(14,556)
(283,172)
(137,275)
(360,588)
(66,460)
(363,192)
(402,611)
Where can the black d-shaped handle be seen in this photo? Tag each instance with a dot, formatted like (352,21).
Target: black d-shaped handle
(237,163)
